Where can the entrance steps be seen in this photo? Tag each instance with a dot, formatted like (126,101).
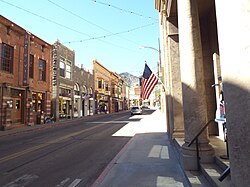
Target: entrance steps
(209,174)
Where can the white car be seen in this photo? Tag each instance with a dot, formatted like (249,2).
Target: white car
(136,110)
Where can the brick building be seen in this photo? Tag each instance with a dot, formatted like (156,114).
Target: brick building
(25,76)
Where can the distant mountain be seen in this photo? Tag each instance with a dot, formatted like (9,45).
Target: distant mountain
(130,79)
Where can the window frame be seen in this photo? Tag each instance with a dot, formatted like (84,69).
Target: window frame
(42,70)
(7,58)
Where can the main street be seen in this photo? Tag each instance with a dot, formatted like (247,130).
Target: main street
(63,154)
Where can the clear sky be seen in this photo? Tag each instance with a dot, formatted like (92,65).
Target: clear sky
(111,31)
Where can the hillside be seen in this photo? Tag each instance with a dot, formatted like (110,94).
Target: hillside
(130,79)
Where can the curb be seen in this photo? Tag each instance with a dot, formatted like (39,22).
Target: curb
(105,172)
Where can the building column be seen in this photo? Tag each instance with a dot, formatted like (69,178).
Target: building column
(193,88)
(233,23)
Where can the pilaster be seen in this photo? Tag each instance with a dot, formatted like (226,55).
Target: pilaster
(175,103)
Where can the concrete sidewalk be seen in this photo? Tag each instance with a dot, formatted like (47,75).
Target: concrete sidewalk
(147,160)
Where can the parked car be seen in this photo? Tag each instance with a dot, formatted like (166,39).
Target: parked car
(144,107)
(136,110)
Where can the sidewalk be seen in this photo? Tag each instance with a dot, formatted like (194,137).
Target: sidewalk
(147,160)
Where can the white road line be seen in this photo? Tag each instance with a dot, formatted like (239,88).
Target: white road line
(75,183)
(22,181)
(63,182)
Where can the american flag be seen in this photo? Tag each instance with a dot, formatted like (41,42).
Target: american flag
(149,80)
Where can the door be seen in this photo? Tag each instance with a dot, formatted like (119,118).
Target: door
(16,113)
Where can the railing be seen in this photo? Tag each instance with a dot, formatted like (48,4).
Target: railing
(226,172)
(197,142)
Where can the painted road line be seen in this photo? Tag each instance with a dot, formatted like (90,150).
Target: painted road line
(63,182)
(31,149)
(75,183)
(22,181)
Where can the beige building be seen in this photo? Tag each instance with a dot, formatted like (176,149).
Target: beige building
(204,42)
(109,89)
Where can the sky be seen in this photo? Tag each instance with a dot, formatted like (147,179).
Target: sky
(120,34)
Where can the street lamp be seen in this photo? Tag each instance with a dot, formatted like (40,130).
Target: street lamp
(159,55)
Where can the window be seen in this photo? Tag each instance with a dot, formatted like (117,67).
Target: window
(65,68)
(7,56)
(100,84)
(31,67)
(106,87)
(62,69)
(42,70)
(68,72)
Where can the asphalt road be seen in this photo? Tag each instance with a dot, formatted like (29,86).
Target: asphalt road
(69,154)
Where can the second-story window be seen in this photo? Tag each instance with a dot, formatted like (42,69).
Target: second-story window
(68,71)
(100,84)
(7,56)
(42,70)
(31,67)
(62,69)
(106,87)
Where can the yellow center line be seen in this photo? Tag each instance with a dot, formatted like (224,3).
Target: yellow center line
(31,149)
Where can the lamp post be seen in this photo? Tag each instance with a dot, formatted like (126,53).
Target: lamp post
(158,64)
(159,56)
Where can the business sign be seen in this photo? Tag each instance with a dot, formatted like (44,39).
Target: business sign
(26,59)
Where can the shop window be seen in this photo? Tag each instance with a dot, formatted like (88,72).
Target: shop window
(38,101)
(7,56)
(31,66)
(64,92)
(42,70)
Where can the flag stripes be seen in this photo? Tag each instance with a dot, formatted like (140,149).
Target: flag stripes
(149,80)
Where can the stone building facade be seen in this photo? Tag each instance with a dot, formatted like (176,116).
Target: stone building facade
(25,76)
(62,81)
(84,104)
(73,94)
(204,44)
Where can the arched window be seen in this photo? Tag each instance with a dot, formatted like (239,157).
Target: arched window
(84,90)
(77,89)
(90,91)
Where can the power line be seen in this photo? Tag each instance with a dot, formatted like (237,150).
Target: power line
(124,10)
(113,34)
(91,23)
(61,25)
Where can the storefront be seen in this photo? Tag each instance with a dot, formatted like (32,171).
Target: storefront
(65,103)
